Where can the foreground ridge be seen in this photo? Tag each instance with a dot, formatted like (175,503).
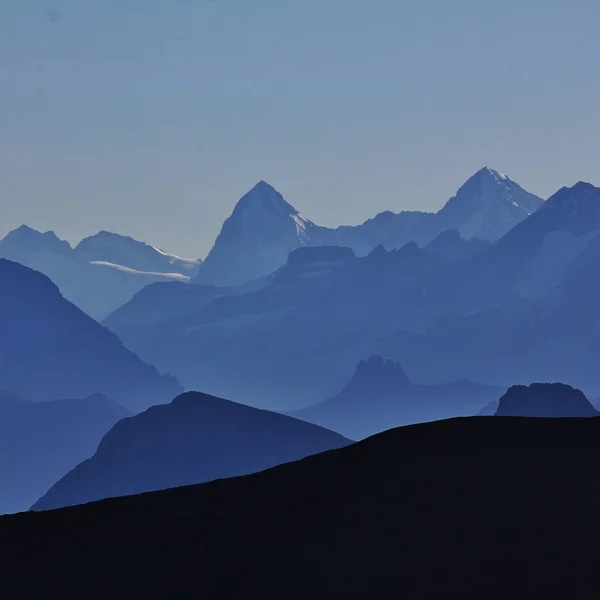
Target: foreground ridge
(463,508)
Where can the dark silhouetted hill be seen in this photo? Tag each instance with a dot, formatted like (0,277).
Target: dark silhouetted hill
(466,508)
(545,400)
(41,442)
(380,396)
(195,438)
(50,349)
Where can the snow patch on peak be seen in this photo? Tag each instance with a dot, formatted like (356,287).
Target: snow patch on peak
(494,175)
(302,226)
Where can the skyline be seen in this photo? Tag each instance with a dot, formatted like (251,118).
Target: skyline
(75,241)
(152,120)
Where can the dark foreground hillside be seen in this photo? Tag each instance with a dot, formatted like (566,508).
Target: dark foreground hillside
(467,508)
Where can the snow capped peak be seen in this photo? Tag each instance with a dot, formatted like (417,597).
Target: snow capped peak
(492,175)
(113,248)
(488,205)
(256,239)
(263,206)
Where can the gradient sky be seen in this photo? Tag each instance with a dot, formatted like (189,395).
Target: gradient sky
(152,117)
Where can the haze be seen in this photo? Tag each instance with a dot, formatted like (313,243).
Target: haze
(151,118)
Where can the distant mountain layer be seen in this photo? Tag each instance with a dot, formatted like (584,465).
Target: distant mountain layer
(294,338)
(50,349)
(490,508)
(263,228)
(102,273)
(536,315)
(195,438)
(380,396)
(520,310)
(39,443)
(139,256)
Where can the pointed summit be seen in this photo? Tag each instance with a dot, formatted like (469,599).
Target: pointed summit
(262,198)
(256,239)
(491,173)
(487,206)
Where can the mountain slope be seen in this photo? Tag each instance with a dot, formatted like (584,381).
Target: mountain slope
(128,252)
(50,349)
(193,439)
(380,396)
(541,322)
(256,239)
(41,442)
(467,508)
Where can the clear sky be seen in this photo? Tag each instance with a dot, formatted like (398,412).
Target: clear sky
(152,117)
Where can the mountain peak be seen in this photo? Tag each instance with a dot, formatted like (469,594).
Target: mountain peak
(583,186)
(28,239)
(379,372)
(264,185)
(26,232)
(492,173)
(125,251)
(256,239)
(263,198)
(488,205)
(580,196)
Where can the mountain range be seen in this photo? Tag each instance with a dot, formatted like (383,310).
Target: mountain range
(452,310)
(195,438)
(106,270)
(263,228)
(484,507)
(102,272)
(50,349)
(539,321)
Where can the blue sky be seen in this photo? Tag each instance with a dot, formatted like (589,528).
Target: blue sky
(152,117)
